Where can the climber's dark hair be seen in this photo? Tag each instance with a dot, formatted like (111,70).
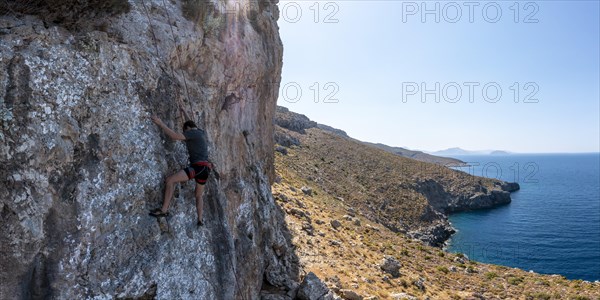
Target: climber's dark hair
(189,124)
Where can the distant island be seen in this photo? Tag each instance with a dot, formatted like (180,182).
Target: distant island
(460,151)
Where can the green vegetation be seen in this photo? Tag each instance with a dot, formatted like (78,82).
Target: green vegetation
(403,283)
(491,275)
(514,280)
(442,269)
(541,296)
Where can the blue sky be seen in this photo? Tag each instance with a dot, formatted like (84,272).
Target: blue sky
(379,56)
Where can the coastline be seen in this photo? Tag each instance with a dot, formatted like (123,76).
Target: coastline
(441,230)
(550,226)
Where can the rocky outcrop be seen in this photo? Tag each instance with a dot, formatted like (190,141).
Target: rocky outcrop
(293,121)
(312,288)
(434,235)
(289,120)
(510,186)
(333,130)
(479,201)
(391,266)
(82,163)
(447,202)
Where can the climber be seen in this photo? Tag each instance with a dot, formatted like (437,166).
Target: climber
(199,168)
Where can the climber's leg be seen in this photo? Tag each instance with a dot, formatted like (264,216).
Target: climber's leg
(170,182)
(199,203)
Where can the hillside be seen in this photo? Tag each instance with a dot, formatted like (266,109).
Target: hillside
(403,194)
(358,216)
(351,257)
(298,122)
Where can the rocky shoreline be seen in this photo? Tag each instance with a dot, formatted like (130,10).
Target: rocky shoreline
(440,232)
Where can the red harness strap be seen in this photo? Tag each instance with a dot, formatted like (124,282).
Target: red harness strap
(203,164)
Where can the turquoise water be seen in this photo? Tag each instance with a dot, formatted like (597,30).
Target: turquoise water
(552,225)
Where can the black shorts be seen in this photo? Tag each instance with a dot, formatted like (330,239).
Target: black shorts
(198,172)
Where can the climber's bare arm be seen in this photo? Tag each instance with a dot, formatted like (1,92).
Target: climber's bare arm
(172,134)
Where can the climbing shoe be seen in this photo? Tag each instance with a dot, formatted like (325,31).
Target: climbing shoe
(158,213)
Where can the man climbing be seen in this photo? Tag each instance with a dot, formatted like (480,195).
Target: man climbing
(199,168)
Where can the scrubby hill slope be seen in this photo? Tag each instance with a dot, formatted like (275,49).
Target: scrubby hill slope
(353,254)
(358,216)
(403,194)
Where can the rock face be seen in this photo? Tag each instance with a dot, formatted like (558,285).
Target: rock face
(82,163)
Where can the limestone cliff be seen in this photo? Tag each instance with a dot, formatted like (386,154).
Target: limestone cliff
(82,164)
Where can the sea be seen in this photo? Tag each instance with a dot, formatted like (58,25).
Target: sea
(552,225)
